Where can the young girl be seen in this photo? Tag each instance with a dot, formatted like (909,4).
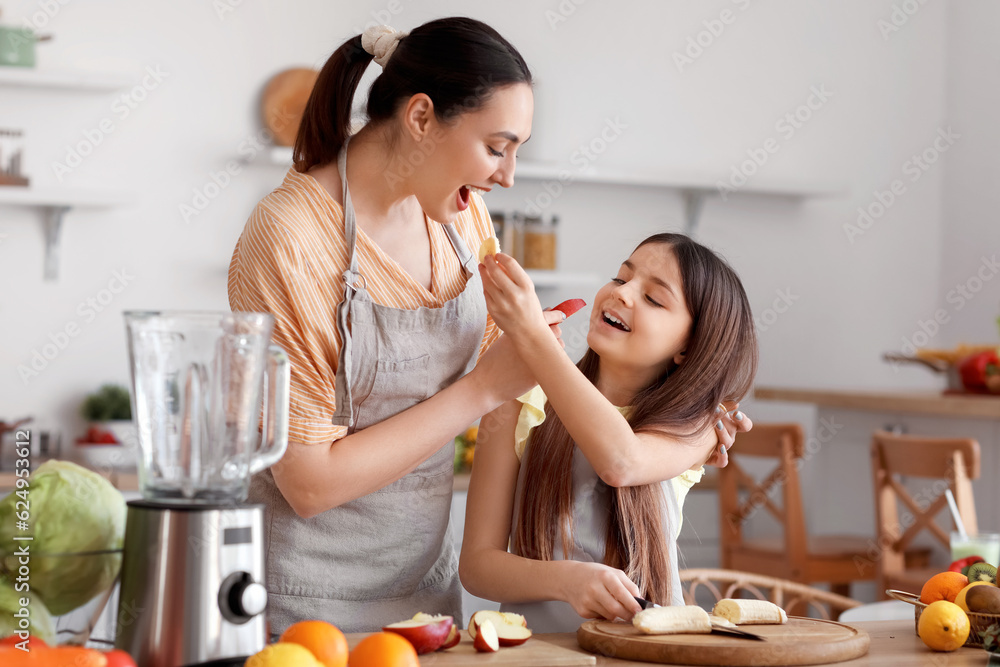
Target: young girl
(590,506)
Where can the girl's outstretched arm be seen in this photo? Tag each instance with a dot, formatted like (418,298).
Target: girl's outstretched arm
(486,568)
(618,455)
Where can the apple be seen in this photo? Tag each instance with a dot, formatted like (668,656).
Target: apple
(454,637)
(486,640)
(427,633)
(571,306)
(511,629)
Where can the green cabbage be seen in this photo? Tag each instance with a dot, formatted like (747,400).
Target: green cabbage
(71,510)
(37,617)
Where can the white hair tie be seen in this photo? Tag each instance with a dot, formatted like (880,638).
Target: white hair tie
(381,42)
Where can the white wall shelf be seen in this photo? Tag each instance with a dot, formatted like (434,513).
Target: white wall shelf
(542,278)
(55,203)
(693,187)
(27,77)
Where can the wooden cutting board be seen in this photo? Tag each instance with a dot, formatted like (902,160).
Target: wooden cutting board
(532,653)
(801,641)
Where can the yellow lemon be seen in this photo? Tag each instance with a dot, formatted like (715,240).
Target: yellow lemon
(960,598)
(943,626)
(471,434)
(283,654)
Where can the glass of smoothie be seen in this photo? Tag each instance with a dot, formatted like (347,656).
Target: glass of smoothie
(984,545)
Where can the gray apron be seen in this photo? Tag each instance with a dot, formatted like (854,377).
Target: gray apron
(385,556)
(591,511)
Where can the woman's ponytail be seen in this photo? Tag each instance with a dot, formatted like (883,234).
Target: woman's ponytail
(326,121)
(458,62)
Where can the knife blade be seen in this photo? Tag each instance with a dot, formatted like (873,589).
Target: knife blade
(716,628)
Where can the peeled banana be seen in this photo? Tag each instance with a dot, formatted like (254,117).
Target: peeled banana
(690,619)
(752,612)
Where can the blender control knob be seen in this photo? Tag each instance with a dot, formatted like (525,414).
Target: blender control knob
(249,598)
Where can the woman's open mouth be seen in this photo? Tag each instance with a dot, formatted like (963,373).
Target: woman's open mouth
(465,195)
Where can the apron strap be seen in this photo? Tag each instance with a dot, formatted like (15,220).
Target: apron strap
(465,256)
(344,414)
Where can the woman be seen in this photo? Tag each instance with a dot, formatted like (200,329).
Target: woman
(379,306)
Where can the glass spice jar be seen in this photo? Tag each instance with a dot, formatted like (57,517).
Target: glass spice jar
(540,243)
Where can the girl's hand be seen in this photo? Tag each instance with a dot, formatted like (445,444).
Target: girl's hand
(733,421)
(510,296)
(595,590)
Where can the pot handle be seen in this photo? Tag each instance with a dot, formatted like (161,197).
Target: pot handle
(274,430)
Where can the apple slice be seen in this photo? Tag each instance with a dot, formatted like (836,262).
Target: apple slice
(512,629)
(570,306)
(486,640)
(425,635)
(454,637)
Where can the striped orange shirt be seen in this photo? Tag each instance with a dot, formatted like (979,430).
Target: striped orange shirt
(289,261)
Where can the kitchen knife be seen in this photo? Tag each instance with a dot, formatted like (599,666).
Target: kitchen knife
(716,627)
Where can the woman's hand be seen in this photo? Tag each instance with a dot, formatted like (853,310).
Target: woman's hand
(510,296)
(733,421)
(501,371)
(595,590)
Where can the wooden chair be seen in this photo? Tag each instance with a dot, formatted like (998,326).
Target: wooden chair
(794,555)
(953,463)
(793,597)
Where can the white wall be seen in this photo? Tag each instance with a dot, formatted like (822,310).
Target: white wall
(970,229)
(890,95)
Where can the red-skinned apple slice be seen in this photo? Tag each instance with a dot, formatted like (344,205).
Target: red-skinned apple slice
(486,640)
(571,306)
(454,637)
(425,635)
(512,629)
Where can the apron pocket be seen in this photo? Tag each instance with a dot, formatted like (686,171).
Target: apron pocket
(400,384)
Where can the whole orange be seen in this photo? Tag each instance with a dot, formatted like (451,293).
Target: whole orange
(943,586)
(323,639)
(943,626)
(384,649)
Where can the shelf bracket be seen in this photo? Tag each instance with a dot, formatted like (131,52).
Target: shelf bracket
(694,200)
(53,230)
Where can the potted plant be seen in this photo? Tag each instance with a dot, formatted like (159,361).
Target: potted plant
(109,414)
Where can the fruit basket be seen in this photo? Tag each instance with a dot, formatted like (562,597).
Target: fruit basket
(979,623)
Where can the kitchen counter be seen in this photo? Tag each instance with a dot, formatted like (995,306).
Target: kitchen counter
(892,643)
(123,480)
(976,406)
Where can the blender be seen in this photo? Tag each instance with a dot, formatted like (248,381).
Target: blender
(192,583)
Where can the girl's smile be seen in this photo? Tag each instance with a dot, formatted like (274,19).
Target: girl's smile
(640,319)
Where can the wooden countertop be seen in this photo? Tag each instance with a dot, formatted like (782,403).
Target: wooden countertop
(892,643)
(975,406)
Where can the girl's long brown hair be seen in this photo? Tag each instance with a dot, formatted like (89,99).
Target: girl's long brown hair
(719,365)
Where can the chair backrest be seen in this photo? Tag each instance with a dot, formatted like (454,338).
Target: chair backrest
(952,462)
(705,587)
(784,443)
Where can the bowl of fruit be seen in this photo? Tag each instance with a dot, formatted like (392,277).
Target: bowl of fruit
(957,608)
